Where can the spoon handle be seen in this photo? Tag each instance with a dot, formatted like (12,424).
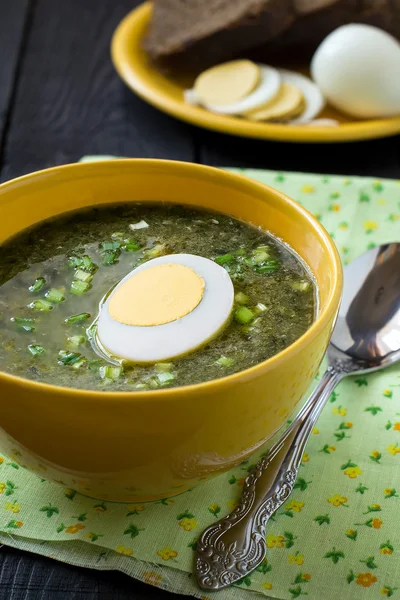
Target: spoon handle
(231,548)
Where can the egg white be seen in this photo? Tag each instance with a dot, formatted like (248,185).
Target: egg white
(313,97)
(266,90)
(164,342)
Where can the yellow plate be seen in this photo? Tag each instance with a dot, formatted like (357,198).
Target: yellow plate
(166,93)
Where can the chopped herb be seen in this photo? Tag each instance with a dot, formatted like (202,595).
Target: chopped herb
(79,287)
(41,305)
(79,364)
(158,250)
(259,257)
(39,283)
(83,276)
(82,262)
(244,315)
(271,267)
(119,235)
(223,259)
(261,307)
(110,257)
(300,286)
(25,324)
(68,358)
(110,373)
(36,349)
(241,298)
(88,264)
(130,245)
(225,361)
(141,386)
(77,318)
(76,340)
(165,378)
(94,364)
(55,296)
(106,246)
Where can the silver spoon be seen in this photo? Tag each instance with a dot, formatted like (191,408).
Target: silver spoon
(366,338)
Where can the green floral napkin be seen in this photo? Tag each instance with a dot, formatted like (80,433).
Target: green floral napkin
(338,535)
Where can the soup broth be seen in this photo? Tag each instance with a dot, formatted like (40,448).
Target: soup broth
(53,277)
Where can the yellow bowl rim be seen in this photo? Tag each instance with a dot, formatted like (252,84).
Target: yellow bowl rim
(312,332)
(142,85)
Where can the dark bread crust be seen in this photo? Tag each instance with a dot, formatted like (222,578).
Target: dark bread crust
(205,32)
(194,38)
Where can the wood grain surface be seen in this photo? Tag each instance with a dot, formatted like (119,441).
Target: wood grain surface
(59,99)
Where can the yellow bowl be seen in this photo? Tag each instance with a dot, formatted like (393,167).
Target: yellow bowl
(139,446)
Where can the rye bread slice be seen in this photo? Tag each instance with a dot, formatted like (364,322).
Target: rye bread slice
(197,33)
(308,31)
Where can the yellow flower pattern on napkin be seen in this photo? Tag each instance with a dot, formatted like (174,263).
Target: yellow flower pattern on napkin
(337,536)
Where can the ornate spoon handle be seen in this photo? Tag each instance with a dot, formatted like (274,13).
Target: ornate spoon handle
(234,546)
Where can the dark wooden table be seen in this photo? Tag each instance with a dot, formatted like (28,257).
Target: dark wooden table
(59,99)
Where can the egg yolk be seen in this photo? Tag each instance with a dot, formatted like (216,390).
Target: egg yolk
(157,296)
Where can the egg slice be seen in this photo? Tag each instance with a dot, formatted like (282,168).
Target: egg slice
(227,83)
(313,97)
(288,103)
(267,89)
(165,308)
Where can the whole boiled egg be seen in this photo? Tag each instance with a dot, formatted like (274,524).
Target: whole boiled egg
(165,308)
(357,68)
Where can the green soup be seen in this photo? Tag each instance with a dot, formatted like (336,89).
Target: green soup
(53,277)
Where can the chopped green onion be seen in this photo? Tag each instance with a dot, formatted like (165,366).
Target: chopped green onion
(271,267)
(118,235)
(241,298)
(165,378)
(77,318)
(76,340)
(110,257)
(68,358)
(79,287)
(141,386)
(82,262)
(88,264)
(158,250)
(106,246)
(260,257)
(36,349)
(83,276)
(261,307)
(74,261)
(225,361)
(55,296)
(130,245)
(223,259)
(244,315)
(163,367)
(39,283)
(300,286)
(240,252)
(25,324)
(41,305)
(94,364)
(79,364)
(110,373)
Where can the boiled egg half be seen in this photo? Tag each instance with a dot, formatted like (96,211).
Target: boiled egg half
(165,308)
